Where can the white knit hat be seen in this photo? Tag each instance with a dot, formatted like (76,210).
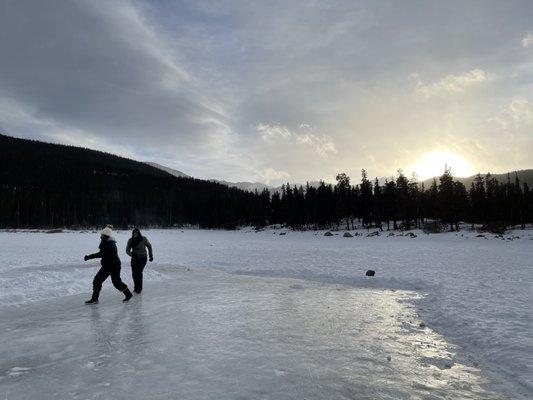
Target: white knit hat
(107,231)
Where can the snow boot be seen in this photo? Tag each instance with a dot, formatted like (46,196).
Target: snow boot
(94,297)
(128,294)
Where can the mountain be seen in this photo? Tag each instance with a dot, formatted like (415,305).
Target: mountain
(50,185)
(174,172)
(248,186)
(525,175)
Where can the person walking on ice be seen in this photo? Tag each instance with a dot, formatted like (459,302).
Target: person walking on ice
(136,249)
(110,266)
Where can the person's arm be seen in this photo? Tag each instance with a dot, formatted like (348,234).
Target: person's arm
(128,248)
(94,255)
(149,247)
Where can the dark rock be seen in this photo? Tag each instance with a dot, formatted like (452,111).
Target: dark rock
(347,234)
(370,272)
(328,233)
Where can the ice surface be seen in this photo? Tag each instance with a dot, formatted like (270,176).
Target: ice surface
(475,292)
(210,335)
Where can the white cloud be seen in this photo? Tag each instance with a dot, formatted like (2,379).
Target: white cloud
(321,144)
(517,114)
(527,41)
(270,174)
(451,83)
(271,132)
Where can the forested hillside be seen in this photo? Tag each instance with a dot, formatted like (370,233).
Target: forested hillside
(50,185)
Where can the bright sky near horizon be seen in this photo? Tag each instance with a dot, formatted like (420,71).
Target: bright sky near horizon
(275,91)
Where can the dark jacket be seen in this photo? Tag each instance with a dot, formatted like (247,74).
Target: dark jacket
(139,251)
(108,253)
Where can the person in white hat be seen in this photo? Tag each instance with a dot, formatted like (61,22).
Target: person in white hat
(110,266)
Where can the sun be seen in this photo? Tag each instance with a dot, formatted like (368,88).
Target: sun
(433,164)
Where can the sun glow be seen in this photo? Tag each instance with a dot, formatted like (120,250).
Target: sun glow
(433,164)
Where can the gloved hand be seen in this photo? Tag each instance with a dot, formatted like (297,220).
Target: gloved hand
(151,259)
(85,258)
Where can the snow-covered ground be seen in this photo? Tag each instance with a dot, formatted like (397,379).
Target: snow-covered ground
(472,294)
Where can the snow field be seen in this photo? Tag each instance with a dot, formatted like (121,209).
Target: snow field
(475,292)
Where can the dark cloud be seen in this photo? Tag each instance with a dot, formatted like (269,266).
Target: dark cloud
(99,68)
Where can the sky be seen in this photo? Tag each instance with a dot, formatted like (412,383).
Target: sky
(275,91)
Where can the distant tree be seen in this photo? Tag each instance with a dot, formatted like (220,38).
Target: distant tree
(388,200)
(342,199)
(365,203)
(478,201)
(377,205)
(402,200)
(445,199)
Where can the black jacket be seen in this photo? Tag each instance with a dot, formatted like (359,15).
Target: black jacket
(108,253)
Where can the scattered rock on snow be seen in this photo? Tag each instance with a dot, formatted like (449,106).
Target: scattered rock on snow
(347,234)
(480,236)
(282,233)
(376,233)
(391,234)
(411,235)
(370,272)
(328,233)
(55,231)
(389,358)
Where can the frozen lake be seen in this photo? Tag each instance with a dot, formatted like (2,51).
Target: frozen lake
(263,315)
(206,334)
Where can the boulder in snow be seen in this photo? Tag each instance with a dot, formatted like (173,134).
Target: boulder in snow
(347,234)
(328,233)
(370,272)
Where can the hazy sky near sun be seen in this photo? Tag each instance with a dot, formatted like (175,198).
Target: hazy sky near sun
(275,90)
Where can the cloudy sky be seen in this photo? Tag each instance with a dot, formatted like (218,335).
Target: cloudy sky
(272,91)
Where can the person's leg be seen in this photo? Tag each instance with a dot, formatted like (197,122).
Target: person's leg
(117,283)
(99,278)
(140,264)
(135,273)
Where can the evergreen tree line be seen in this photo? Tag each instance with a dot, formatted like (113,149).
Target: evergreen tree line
(402,204)
(46,185)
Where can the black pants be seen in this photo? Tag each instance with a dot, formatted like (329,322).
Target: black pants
(104,273)
(137,267)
